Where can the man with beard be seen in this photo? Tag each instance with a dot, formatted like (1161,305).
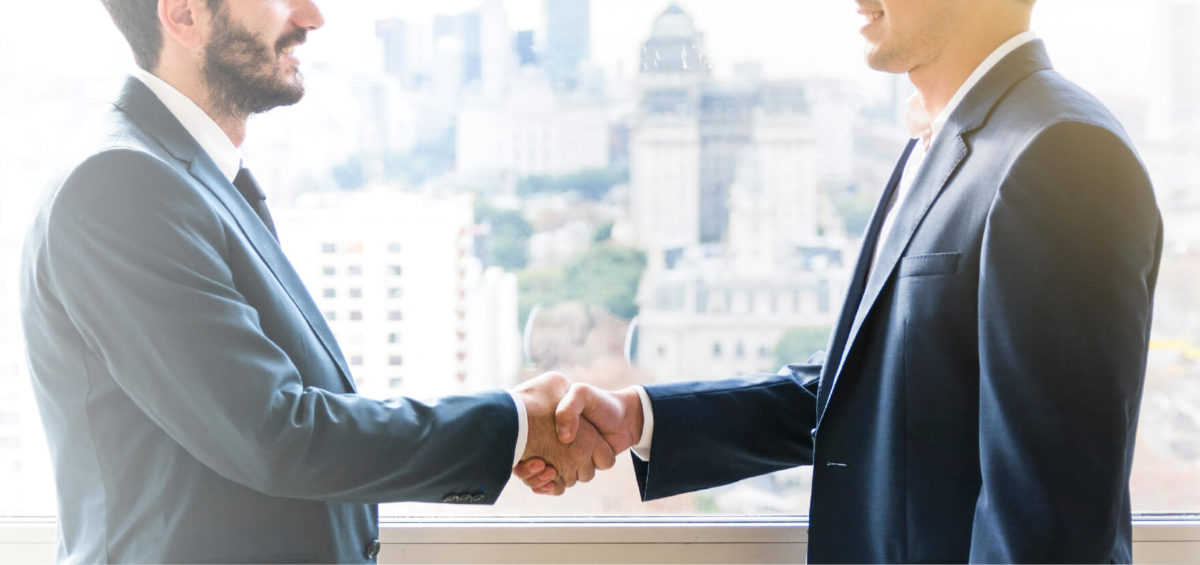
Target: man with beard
(197,407)
(980,395)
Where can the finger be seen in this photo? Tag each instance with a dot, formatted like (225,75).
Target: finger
(603,457)
(572,405)
(546,476)
(587,473)
(555,488)
(529,468)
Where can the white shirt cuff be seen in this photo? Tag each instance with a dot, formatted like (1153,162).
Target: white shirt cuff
(522,428)
(642,449)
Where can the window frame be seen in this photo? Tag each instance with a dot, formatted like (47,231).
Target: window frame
(1173,538)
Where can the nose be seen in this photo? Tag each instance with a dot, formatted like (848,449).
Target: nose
(306,15)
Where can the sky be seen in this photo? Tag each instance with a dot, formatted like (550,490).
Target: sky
(789,37)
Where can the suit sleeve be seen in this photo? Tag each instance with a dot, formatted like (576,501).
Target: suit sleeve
(137,259)
(1068,266)
(708,434)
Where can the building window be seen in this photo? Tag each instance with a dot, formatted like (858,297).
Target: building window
(393,338)
(329,270)
(394,270)
(739,351)
(328,248)
(354,270)
(356,315)
(330,315)
(329,293)
(356,360)
(356,293)
(395,360)
(395,293)
(716,349)
(393,247)
(395,316)
(395,382)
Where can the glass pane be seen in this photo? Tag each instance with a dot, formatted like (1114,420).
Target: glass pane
(503,185)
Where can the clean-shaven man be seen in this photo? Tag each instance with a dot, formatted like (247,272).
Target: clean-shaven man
(197,407)
(980,395)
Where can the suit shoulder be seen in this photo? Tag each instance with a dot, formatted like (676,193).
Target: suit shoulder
(1045,99)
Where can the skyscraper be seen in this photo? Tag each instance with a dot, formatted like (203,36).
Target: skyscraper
(568,40)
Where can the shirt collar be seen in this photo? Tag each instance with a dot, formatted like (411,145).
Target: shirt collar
(918,121)
(199,125)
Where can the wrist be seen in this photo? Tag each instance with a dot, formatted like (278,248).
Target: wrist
(631,404)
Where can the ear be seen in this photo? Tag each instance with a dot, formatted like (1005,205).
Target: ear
(180,20)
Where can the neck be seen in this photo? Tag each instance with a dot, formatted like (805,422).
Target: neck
(937,81)
(190,82)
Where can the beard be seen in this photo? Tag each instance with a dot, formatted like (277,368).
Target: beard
(243,72)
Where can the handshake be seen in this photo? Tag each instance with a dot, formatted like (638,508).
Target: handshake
(574,429)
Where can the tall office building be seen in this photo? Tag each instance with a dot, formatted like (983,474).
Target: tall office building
(568,40)
(723,195)
(691,134)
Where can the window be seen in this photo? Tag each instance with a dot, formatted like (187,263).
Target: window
(548,216)
(395,360)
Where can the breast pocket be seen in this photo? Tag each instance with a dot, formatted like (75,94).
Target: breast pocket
(930,265)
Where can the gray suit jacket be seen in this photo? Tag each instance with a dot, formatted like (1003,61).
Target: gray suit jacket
(980,397)
(197,407)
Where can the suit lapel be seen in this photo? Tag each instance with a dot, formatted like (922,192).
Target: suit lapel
(145,109)
(945,157)
(858,281)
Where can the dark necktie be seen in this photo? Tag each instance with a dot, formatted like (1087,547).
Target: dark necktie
(245,183)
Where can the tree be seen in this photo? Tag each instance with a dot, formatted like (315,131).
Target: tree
(606,275)
(510,233)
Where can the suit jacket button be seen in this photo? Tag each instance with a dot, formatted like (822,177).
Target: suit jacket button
(477,498)
(372,550)
(450,499)
(813,434)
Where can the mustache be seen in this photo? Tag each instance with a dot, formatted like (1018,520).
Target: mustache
(294,37)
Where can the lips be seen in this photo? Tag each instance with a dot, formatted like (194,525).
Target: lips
(870,11)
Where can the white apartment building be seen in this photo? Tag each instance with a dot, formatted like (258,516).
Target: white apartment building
(396,277)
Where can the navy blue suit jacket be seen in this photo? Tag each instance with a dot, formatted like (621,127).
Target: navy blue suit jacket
(196,405)
(980,395)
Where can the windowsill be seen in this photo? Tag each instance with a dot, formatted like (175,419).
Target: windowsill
(1157,539)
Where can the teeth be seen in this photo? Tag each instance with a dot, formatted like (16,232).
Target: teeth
(874,16)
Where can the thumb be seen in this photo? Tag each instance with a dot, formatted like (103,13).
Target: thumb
(570,408)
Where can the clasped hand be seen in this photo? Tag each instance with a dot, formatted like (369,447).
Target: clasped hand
(574,429)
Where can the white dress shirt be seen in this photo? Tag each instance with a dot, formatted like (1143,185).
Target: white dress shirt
(925,130)
(922,128)
(225,154)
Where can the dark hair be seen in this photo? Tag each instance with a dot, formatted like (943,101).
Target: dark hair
(137,20)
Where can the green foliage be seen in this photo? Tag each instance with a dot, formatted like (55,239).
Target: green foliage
(592,184)
(797,344)
(608,276)
(510,233)
(603,275)
(603,233)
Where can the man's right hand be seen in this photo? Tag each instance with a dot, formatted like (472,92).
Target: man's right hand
(547,462)
(617,415)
